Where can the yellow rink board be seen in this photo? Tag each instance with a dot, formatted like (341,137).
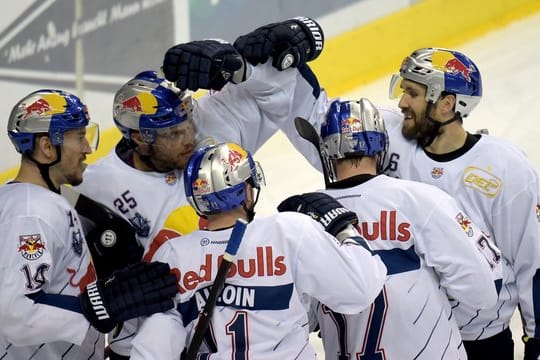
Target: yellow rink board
(366,53)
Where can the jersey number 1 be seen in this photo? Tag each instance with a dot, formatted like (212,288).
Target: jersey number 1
(371,349)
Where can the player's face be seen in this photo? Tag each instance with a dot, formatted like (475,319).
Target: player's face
(75,147)
(413,105)
(173,146)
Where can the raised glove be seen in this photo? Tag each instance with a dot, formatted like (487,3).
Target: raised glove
(138,290)
(290,43)
(204,64)
(323,208)
(532,348)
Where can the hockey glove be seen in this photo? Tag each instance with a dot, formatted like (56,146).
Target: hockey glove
(532,348)
(205,64)
(111,239)
(323,208)
(138,290)
(291,43)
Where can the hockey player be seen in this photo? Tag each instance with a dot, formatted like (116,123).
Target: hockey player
(283,259)
(51,306)
(430,247)
(141,178)
(492,180)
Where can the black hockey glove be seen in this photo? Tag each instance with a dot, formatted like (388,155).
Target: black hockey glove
(110,238)
(532,348)
(204,64)
(290,43)
(138,290)
(323,208)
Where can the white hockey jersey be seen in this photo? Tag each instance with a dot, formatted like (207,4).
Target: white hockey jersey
(283,260)
(430,250)
(495,184)
(248,114)
(44,266)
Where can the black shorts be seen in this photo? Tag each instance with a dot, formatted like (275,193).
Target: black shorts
(500,347)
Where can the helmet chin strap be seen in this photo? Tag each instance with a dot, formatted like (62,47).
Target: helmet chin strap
(44,169)
(250,212)
(427,138)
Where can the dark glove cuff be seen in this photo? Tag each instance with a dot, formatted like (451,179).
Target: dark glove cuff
(314,31)
(94,309)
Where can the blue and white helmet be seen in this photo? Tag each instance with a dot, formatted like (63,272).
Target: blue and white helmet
(442,70)
(354,129)
(149,103)
(215,178)
(52,112)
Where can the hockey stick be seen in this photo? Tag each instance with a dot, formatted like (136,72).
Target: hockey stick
(206,314)
(307,132)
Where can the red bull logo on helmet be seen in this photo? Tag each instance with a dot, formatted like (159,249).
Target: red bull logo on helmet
(200,187)
(351,125)
(145,103)
(48,104)
(31,246)
(448,62)
(236,155)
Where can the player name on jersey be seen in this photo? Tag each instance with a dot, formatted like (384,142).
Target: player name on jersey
(264,264)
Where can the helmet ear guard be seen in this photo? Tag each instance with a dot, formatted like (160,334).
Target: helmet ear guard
(215,178)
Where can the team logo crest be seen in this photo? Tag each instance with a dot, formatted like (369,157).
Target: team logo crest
(437,172)
(76,242)
(171,178)
(141,225)
(465,224)
(31,247)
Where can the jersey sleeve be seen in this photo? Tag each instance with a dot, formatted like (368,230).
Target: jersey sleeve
(27,267)
(161,336)
(517,225)
(251,112)
(460,253)
(347,277)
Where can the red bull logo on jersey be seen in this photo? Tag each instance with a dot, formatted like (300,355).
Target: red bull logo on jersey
(264,264)
(386,228)
(447,62)
(171,178)
(31,247)
(141,103)
(48,104)
(482,181)
(437,172)
(465,224)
